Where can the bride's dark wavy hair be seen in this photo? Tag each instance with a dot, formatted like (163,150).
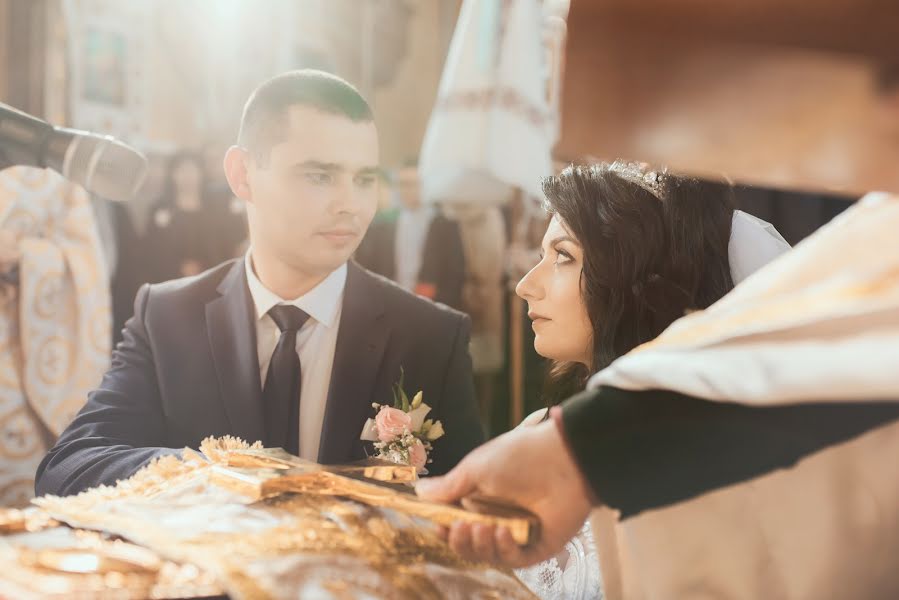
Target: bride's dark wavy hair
(655,247)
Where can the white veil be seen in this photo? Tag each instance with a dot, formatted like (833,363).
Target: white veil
(753,244)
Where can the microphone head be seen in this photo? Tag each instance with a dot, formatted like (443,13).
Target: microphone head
(103,165)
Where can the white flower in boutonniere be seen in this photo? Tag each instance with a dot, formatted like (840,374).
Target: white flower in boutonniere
(402,433)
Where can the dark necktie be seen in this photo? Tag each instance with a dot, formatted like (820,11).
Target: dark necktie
(281,393)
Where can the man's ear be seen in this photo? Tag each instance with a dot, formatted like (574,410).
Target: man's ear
(236,172)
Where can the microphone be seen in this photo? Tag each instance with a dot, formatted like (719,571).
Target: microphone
(101,164)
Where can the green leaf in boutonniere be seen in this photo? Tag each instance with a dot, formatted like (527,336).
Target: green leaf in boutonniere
(400,399)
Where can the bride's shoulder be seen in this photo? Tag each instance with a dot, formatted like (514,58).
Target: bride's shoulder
(534,418)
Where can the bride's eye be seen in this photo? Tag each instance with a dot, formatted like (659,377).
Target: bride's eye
(563,257)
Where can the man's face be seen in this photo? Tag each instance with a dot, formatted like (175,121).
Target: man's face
(312,201)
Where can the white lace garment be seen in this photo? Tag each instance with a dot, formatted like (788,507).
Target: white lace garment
(573,575)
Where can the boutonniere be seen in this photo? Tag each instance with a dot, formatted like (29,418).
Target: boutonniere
(401,433)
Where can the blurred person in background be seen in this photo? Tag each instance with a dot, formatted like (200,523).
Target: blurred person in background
(120,243)
(122,227)
(484,241)
(187,231)
(416,245)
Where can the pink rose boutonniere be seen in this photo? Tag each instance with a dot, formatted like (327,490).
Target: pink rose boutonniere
(401,433)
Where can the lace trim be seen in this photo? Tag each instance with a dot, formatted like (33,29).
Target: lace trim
(580,578)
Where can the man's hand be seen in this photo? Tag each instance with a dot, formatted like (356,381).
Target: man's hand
(530,467)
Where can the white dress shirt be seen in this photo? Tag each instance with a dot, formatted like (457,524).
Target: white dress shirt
(316,342)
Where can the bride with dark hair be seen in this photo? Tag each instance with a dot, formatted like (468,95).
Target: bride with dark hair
(628,251)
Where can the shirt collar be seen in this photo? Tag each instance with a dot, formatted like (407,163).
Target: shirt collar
(321,303)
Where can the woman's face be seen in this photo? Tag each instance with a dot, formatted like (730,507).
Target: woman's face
(552,289)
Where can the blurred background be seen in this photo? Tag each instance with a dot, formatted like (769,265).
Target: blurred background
(795,103)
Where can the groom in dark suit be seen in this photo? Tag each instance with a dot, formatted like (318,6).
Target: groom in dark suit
(291,344)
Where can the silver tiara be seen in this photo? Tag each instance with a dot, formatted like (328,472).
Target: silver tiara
(651,180)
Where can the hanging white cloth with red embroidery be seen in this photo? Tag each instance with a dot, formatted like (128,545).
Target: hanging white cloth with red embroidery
(492,129)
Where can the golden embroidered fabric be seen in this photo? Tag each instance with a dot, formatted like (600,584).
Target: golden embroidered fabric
(55,318)
(311,534)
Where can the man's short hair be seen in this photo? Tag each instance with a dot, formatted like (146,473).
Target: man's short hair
(263,122)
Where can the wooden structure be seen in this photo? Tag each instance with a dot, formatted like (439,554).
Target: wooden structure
(776,92)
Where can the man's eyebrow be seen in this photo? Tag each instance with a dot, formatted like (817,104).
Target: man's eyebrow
(378,171)
(319,166)
(330,167)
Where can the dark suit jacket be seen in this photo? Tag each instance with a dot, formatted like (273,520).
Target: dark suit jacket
(188,368)
(443,260)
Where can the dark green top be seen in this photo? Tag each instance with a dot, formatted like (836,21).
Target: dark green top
(647,449)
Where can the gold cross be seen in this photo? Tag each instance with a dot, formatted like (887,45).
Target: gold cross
(260,474)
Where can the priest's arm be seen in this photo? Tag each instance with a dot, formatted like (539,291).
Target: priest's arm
(641,450)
